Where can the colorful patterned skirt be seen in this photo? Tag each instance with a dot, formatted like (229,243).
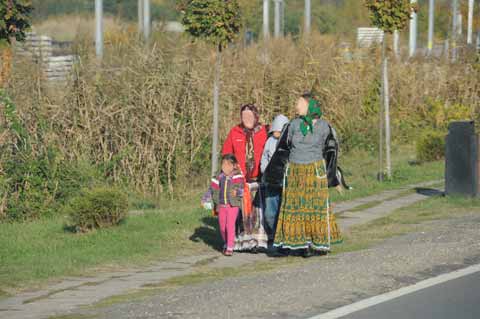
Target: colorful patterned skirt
(305,219)
(250,233)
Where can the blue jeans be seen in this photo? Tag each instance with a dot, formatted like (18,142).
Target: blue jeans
(273,197)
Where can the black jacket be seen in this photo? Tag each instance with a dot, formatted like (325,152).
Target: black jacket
(330,155)
(274,173)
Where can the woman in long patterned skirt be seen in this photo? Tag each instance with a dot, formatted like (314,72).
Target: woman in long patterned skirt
(306,221)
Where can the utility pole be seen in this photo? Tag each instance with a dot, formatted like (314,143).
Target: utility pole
(381,126)
(386,107)
(266,19)
(216,107)
(431,25)
(470,22)
(277,18)
(146,20)
(308,16)
(454,29)
(99,28)
(413,32)
(140,16)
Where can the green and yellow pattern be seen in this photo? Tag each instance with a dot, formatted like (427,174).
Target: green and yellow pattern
(305,219)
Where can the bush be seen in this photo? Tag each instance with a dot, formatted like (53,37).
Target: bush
(438,115)
(37,185)
(35,178)
(431,146)
(97,208)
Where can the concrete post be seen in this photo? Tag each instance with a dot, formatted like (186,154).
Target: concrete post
(99,28)
(146,20)
(308,16)
(431,25)
(277,18)
(266,19)
(413,32)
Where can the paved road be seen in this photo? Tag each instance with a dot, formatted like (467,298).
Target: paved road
(459,299)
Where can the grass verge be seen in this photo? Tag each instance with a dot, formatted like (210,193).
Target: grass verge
(406,220)
(34,253)
(400,222)
(361,167)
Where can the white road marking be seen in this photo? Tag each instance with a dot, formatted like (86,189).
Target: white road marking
(363,304)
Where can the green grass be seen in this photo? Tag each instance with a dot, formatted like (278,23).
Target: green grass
(361,167)
(34,253)
(406,220)
(374,203)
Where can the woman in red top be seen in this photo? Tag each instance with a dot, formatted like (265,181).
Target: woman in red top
(246,141)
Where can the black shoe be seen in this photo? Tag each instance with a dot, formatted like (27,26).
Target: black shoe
(276,252)
(307,253)
(270,243)
(321,253)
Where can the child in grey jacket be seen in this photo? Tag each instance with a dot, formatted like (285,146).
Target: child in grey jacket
(272,193)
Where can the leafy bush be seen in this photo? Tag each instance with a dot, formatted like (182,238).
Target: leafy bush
(15,19)
(431,146)
(389,15)
(35,186)
(35,182)
(97,208)
(438,114)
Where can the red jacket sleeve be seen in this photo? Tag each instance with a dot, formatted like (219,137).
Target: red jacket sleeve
(228,145)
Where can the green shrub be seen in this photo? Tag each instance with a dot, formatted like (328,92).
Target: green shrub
(438,115)
(97,208)
(35,178)
(38,185)
(431,146)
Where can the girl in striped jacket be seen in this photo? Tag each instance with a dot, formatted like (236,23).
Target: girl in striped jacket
(226,192)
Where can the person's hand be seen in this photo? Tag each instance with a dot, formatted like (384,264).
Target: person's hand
(233,193)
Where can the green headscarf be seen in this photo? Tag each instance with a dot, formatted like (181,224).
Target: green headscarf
(314,111)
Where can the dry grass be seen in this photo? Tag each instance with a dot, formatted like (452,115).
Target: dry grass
(145,112)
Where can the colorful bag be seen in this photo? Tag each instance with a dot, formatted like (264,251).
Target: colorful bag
(207,202)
